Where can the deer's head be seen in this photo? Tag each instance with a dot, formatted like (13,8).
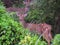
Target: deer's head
(21,16)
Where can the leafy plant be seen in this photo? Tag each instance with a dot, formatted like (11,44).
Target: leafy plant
(36,15)
(42,11)
(2,8)
(11,32)
(56,40)
(32,40)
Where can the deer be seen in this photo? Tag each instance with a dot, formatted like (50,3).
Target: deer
(41,28)
(38,28)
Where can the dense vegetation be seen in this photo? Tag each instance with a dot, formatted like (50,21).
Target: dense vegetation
(13,33)
(42,11)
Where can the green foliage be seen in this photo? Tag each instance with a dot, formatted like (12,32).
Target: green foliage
(11,32)
(2,8)
(36,15)
(32,40)
(14,16)
(56,40)
(1,3)
(42,11)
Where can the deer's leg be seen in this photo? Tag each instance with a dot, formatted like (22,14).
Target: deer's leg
(50,35)
(48,43)
(47,37)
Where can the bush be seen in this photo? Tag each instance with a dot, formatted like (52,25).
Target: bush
(56,40)
(36,15)
(32,40)
(42,11)
(2,8)
(11,32)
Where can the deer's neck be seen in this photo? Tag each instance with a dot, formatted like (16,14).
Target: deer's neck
(24,23)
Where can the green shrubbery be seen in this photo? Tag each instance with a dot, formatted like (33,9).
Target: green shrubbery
(13,33)
(41,11)
(32,40)
(36,15)
(56,40)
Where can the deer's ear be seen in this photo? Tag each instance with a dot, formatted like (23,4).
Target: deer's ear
(25,15)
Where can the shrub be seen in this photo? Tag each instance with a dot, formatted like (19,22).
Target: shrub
(42,11)
(11,32)
(2,8)
(36,16)
(56,40)
(32,40)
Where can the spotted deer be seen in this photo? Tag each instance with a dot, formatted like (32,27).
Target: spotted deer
(38,28)
(41,28)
